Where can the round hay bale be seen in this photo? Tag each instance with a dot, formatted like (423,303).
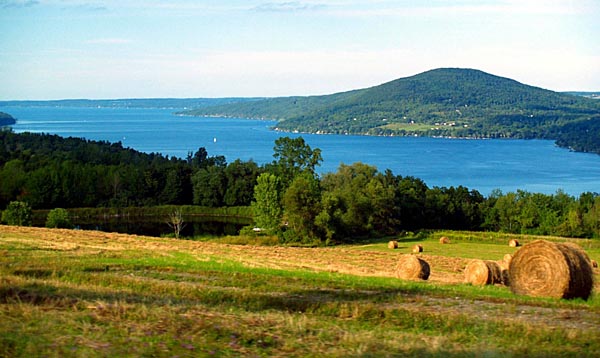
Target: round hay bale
(444,240)
(506,260)
(594,264)
(505,276)
(417,248)
(543,268)
(411,267)
(480,272)
(504,266)
(514,243)
(574,246)
(393,244)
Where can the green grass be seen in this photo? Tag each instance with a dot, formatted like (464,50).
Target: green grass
(98,297)
(474,245)
(414,127)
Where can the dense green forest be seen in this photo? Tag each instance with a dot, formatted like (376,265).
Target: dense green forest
(287,197)
(49,171)
(443,102)
(6,119)
(279,108)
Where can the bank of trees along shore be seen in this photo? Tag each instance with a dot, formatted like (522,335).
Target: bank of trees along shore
(48,171)
(288,198)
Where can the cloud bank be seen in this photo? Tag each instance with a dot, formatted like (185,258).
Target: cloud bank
(290,6)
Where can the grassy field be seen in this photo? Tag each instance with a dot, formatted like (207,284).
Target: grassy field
(91,294)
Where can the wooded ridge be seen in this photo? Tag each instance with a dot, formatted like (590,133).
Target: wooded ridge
(171,103)
(447,102)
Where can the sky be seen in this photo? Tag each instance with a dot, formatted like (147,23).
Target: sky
(104,49)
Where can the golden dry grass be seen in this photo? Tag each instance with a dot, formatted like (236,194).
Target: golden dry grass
(113,293)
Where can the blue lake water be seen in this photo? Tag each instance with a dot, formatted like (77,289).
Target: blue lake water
(484,165)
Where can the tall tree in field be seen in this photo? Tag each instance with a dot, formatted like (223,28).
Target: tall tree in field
(292,157)
(175,222)
(17,213)
(12,179)
(267,204)
(241,178)
(592,218)
(301,203)
(357,201)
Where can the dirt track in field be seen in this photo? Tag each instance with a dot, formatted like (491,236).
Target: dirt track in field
(347,260)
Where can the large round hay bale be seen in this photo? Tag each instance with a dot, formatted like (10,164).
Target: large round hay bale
(444,240)
(506,260)
(504,265)
(393,244)
(480,272)
(574,246)
(543,268)
(505,276)
(514,243)
(410,267)
(594,264)
(417,248)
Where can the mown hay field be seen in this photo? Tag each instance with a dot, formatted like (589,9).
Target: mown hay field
(70,293)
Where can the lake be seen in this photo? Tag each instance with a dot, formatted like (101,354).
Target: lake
(484,165)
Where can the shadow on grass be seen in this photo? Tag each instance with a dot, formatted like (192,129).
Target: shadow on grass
(43,293)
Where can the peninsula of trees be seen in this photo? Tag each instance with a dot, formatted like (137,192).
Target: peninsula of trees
(6,119)
(447,102)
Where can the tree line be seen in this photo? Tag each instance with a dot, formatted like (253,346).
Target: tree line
(287,196)
(48,171)
(358,201)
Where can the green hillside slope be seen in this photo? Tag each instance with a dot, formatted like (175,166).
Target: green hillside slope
(279,108)
(443,102)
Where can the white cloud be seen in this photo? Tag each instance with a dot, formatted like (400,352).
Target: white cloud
(281,73)
(464,8)
(289,6)
(317,72)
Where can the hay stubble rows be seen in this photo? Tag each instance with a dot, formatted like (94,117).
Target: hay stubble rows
(368,261)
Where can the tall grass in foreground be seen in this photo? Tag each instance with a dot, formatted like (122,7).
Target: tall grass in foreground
(105,296)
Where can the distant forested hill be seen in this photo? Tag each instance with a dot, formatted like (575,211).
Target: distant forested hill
(176,103)
(594,95)
(279,108)
(443,102)
(6,119)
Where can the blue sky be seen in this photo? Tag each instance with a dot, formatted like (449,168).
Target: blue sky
(54,49)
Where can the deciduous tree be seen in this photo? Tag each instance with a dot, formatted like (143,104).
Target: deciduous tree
(267,202)
(17,213)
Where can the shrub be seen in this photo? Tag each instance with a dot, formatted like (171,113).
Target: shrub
(58,218)
(17,213)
